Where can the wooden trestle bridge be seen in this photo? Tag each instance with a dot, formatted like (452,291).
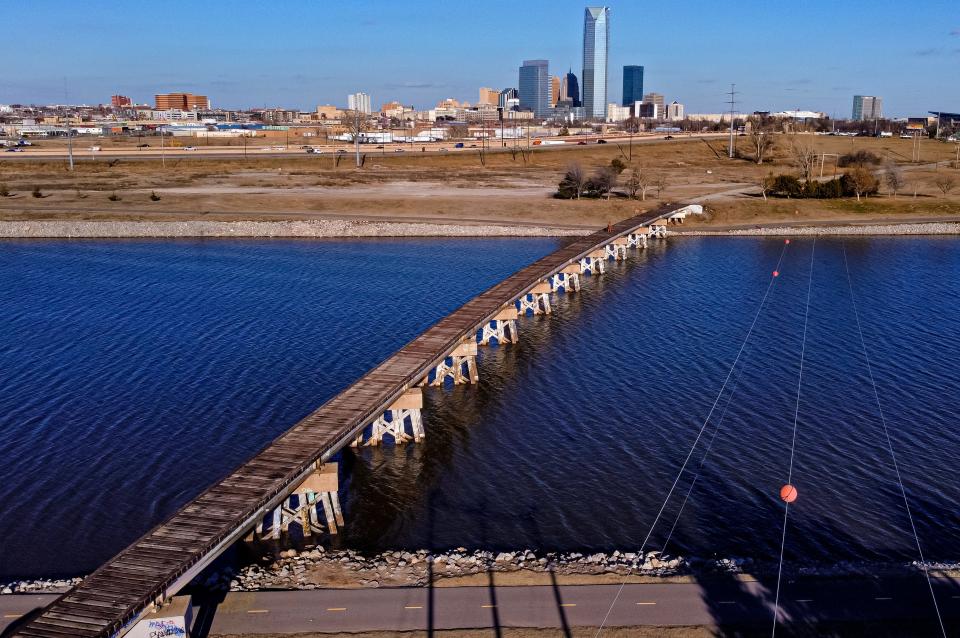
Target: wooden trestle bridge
(116,596)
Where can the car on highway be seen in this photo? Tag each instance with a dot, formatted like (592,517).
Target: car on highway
(443,150)
(581,143)
(601,141)
(398,150)
(14,150)
(143,146)
(668,137)
(189,148)
(458,145)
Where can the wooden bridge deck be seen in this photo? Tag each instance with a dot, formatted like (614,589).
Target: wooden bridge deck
(172,553)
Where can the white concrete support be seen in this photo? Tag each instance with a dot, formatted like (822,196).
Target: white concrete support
(172,619)
(503,328)
(402,422)
(567,279)
(638,238)
(536,301)
(302,508)
(460,367)
(658,229)
(617,249)
(594,263)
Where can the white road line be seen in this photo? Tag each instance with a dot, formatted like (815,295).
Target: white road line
(647,603)
(413,607)
(568,604)
(336,609)
(258,611)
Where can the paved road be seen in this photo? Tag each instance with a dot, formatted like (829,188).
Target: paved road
(666,604)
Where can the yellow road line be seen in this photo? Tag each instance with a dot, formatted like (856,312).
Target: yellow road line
(487,606)
(568,604)
(12,615)
(413,607)
(336,609)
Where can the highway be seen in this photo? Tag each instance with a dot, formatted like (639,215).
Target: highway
(724,602)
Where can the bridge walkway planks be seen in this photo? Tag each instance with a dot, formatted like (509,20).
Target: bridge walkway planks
(164,558)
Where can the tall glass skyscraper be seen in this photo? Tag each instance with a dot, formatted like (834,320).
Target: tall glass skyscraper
(596,40)
(570,89)
(632,84)
(534,87)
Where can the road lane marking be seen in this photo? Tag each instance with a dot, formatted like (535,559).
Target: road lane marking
(804,600)
(336,609)
(13,615)
(646,603)
(883,598)
(414,607)
(487,606)
(568,604)
(258,611)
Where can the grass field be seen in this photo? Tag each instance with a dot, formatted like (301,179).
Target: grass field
(507,187)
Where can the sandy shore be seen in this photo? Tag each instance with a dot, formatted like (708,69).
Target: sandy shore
(317,228)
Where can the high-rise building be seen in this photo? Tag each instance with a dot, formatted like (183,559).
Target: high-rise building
(554,90)
(632,84)
(359,102)
(506,96)
(570,89)
(488,96)
(119,100)
(535,87)
(181,101)
(656,98)
(867,107)
(675,111)
(596,40)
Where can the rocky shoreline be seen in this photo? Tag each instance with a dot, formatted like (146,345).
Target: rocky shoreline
(317,568)
(312,228)
(926,228)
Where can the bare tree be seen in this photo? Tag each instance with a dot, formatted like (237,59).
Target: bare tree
(660,183)
(355,124)
(604,181)
(638,182)
(761,141)
(804,157)
(764,184)
(863,182)
(945,183)
(893,176)
(575,178)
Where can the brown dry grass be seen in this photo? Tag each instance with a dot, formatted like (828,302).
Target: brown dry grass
(453,187)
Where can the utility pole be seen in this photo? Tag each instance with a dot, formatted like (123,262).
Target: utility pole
(356,135)
(66,106)
(163,157)
(733,96)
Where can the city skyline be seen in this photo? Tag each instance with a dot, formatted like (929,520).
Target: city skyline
(808,62)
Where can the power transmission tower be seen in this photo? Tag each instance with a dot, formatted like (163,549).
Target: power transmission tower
(733,103)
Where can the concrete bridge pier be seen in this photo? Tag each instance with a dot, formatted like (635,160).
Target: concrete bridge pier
(537,300)
(594,263)
(658,228)
(405,422)
(503,328)
(617,249)
(319,490)
(460,366)
(638,238)
(567,279)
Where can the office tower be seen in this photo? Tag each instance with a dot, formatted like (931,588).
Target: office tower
(119,100)
(181,101)
(358,102)
(488,96)
(632,84)
(535,87)
(867,107)
(656,98)
(570,89)
(505,96)
(554,90)
(674,111)
(596,39)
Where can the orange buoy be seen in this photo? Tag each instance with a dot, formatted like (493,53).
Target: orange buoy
(776,273)
(788,493)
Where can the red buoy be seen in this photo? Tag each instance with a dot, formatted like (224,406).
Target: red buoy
(776,273)
(788,493)
(786,241)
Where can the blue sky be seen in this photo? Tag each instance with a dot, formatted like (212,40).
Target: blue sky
(809,54)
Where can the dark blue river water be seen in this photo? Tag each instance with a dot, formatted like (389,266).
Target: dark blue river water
(134,373)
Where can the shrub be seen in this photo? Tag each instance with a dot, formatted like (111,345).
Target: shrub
(154,197)
(617,165)
(857,182)
(36,192)
(114,197)
(860,158)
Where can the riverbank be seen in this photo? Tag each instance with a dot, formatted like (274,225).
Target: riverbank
(321,228)
(317,568)
(905,228)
